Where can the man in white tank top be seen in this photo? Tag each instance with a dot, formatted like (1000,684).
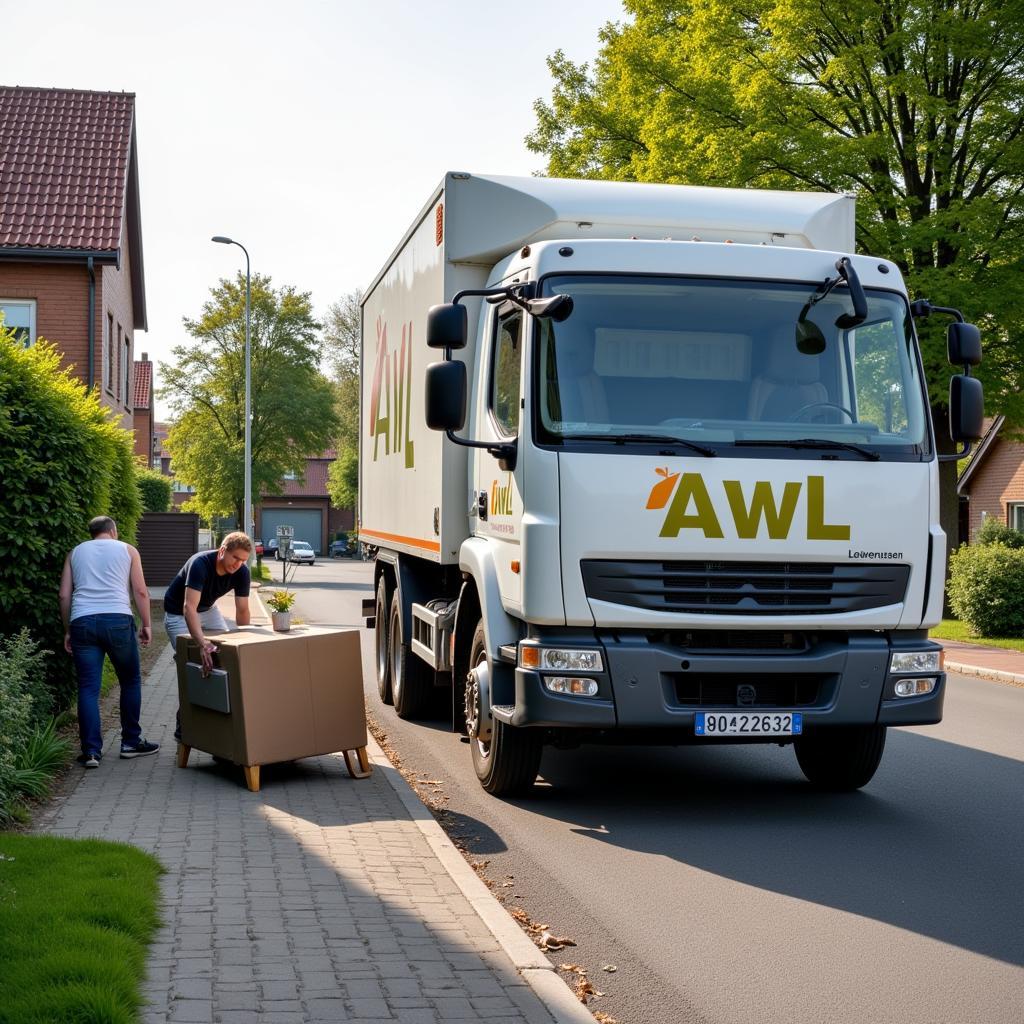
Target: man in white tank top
(100,577)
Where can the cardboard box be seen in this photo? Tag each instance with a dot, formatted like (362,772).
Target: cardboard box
(274,697)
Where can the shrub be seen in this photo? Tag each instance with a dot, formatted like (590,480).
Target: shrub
(154,490)
(63,460)
(43,755)
(986,588)
(20,667)
(994,532)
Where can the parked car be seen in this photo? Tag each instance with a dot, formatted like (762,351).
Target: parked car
(301,551)
(338,548)
(257,549)
(270,548)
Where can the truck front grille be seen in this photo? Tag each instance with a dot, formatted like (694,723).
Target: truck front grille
(745,588)
(736,691)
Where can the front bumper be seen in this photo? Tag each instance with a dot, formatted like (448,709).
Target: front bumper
(836,681)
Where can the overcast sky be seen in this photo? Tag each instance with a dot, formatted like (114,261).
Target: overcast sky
(312,131)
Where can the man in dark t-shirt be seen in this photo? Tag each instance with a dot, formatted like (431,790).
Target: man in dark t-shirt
(190,604)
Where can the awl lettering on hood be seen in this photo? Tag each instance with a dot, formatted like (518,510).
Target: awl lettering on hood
(690,507)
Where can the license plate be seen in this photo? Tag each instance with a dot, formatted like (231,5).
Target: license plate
(747,723)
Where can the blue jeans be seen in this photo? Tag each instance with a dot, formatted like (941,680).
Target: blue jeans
(92,638)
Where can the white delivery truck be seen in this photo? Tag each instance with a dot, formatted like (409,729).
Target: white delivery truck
(653,464)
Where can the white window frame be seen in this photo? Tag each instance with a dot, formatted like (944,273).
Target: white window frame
(290,475)
(30,304)
(1015,512)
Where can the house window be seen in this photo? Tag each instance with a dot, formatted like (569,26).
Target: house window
(19,315)
(290,475)
(1015,514)
(127,353)
(116,386)
(111,355)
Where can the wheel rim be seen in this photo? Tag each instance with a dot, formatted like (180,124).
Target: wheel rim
(473,710)
(380,645)
(394,643)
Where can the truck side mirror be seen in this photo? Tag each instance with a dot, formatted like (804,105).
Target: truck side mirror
(445,403)
(966,406)
(963,344)
(447,326)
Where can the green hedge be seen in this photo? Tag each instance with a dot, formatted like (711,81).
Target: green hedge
(63,460)
(154,490)
(995,532)
(986,588)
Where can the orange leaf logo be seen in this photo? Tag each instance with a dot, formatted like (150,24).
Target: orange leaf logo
(662,490)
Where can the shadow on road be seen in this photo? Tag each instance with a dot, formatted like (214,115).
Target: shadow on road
(935,844)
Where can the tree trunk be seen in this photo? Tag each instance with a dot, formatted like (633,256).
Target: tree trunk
(949,501)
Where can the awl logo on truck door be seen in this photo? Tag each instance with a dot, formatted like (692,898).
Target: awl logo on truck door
(395,375)
(690,507)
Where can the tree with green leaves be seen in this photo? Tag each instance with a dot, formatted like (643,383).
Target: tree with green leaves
(293,414)
(341,340)
(915,107)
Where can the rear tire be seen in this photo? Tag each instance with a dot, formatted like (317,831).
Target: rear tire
(843,759)
(380,641)
(507,763)
(411,677)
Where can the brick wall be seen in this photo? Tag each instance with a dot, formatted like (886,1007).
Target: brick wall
(61,292)
(114,306)
(998,480)
(142,423)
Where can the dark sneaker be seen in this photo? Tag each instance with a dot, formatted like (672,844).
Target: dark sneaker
(141,749)
(89,760)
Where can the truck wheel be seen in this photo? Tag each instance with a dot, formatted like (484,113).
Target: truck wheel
(411,683)
(841,759)
(380,641)
(506,759)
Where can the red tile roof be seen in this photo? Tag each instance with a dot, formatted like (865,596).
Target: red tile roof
(143,384)
(64,162)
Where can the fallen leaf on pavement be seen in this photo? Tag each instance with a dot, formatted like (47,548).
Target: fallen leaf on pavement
(610,968)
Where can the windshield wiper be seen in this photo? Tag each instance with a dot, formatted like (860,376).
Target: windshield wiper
(810,442)
(644,439)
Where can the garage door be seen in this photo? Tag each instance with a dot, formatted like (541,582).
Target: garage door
(306,522)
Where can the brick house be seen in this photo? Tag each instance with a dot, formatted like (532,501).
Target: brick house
(143,412)
(71,233)
(180,493)
(992,483)
(305,506)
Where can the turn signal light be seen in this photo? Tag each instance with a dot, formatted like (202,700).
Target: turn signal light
(913,687)
(572,687)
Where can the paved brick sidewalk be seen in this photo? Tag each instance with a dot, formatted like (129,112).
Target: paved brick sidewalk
(989,662)
(319,899)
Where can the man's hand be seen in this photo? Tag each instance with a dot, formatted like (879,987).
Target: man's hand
(145,635)
(67,642)
(208,649)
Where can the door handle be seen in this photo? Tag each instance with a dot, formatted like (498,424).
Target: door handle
(481,504)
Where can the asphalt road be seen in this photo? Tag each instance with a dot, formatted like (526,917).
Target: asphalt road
(724,890)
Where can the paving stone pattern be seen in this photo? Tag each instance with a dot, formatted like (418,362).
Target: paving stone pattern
(315,900)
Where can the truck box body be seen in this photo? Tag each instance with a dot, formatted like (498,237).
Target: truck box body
(696,466)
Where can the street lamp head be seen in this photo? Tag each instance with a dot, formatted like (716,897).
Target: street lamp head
(223,239)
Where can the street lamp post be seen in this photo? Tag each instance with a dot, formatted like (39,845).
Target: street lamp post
(248,524)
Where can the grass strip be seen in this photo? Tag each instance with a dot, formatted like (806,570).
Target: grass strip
(954,629)
(76,917)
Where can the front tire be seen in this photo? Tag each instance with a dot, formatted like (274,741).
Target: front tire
(507,763)
(411,682)
(843,759)
(380,641)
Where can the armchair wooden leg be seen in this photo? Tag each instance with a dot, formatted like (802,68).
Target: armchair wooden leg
(252,777)
(363,761)
(183,752)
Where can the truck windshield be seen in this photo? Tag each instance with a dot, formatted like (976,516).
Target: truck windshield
(716,362)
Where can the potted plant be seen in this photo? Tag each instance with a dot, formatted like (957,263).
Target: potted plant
(281,602)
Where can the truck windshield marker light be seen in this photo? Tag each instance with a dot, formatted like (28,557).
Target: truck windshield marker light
(572,687)
(917,661)
(560,659)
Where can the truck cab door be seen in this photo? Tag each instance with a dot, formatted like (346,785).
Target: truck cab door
(497,492)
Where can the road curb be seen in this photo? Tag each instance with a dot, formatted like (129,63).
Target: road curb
(531,964)
(985,673)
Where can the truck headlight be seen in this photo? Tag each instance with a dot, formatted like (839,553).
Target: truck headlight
(916,661)
(560,659)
